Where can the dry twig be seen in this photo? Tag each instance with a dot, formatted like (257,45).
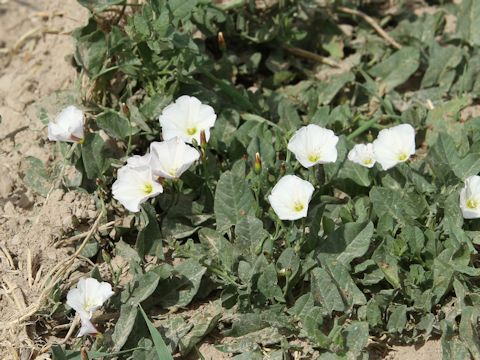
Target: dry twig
(311,56)
(373,24)
(55,275)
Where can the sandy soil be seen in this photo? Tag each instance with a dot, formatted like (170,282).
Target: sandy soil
(34,62)
(34,43)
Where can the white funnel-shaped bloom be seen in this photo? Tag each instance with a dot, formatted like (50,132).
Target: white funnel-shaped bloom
(470,198)
(394,145)
(186,118)
(85,299)
(313,144)
(362,154)
(67,126)
(134,186)
(171,158)
(290,197)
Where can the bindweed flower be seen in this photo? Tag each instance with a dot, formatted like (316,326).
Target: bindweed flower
(313,145)
(290,197)
(139,160)
(470,198)
(362,154)
(67,126)
(394,145)
(171,158)
(134,186)
(85,299)
(186,118)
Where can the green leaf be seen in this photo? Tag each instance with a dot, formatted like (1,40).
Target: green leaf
(267,284)
(115,125)
(311,322)
(99,5)
(402,205)
(233,200)
(124,325)
(289,119)
(160,347)
(203,324)
(468,28)
(468,166)
(264,146)
(468,330)
(397,68)
(36,176)
(149,239)
(347,242)
(181,8)
(415,239)
(219,248)
(325,291)
(289,260)
(181,289)
(249,234)
(145,285)
(331,88)
(351,294)
(355,172)
(93,156)
(442,63)
(356,337)
(445,119)
(397,319)
(91,49)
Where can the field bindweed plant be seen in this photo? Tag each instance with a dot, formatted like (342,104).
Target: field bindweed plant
(306,184)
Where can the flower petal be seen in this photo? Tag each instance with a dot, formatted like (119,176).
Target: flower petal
(290,197)
(186,118)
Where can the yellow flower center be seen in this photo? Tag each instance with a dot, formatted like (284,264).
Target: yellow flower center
(402,156)
(472,203)
(192,131)
(313,157)
(368,161)
(89,304)
(148,188)
(298,206)
(173,172)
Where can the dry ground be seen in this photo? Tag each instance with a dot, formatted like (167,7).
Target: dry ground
(35,50)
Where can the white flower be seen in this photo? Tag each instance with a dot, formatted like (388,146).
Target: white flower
(86,298)
(394,145)
(139,160)
(186,118)
(470,198)
(86,326)
(171,158)
(290,197)
(134,186)
(362,154)
(67,126)
(313,145)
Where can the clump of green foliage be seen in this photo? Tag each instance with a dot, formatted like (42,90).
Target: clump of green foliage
(380,253)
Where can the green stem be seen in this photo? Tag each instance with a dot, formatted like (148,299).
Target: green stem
(362,128)
(222,274)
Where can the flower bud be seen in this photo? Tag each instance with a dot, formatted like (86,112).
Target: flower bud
(285,272)
(125,109)
(203,139)
(203,144)
(258,163)
(221,41)
(106,257)
(83,353)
